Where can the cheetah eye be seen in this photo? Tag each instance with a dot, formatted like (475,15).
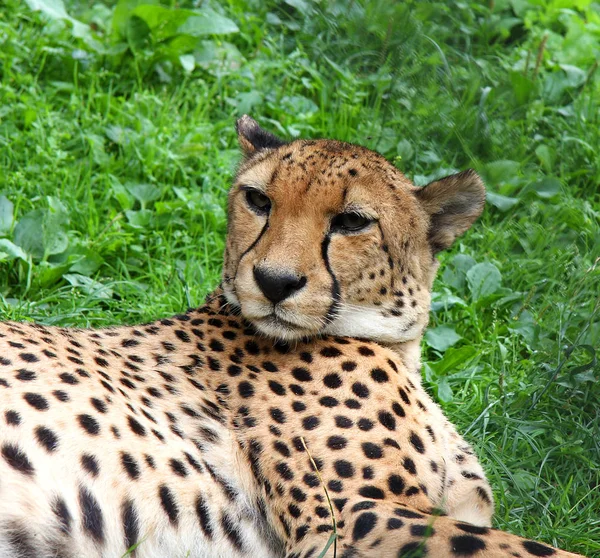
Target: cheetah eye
(258,202)
(350,222)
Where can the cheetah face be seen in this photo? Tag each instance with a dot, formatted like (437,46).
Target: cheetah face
(327,237)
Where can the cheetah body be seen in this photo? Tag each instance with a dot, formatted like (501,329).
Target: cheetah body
(257,425)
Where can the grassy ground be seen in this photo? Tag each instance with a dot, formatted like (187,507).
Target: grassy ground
(117,147)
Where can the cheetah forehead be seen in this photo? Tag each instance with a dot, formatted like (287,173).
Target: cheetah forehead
(321,167)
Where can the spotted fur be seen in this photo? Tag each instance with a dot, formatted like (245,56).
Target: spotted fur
(249,428)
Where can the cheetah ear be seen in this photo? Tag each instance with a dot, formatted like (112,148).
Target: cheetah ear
(453,204)
(253,138)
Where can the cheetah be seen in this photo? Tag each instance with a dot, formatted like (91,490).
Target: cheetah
(286,416)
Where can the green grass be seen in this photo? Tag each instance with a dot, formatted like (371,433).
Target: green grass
(117,147)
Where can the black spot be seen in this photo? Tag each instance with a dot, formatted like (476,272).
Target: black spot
(387,420)
(348,366)
(298,494)
(370,491)
(311,480)
(372,451)
(130,465)
(538,549)
(232,532)
(310,423)
(17,459)
(167,501)
(91,515)
(332,381)
(178,467)
(336,442)
(398,409)
(417,530)
(99,405)
(335,486)
(204,517)
(409,465)
(416,442)
(408,514)
(29,357)
(379,375)
(46,438)
(331,352)
(394,523)
(466,545)
(135,426)
(365,523)
(306,357)
(329,402)
(360,390)
(245,389)
(252,348)
(473,529)
(60,510)
(412,550)
(131,528)
(90,464)
(284,471)
(37,401)
(484,495)
(12,418)
(277,388)
(281,448)
(101,362)
(25,375)
(343,422)
(365,424)
(344,468)
(301,374)
(396,484)
(298,406)
(89,424)
(362,506)
(365,351)
(278,415)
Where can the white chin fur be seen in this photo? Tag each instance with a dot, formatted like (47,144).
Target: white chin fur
(368,323)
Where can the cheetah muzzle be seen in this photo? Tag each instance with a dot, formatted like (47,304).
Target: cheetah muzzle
(288,406)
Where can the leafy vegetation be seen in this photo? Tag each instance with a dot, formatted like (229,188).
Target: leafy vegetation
(117,147)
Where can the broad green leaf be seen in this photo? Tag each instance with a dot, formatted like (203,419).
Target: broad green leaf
(454,358)
(442,337)
(498,172)
(188,62)
(144,193)
(163,22)
(207,22)
(456,271)
(89,286)
(55,9)
(29,233)
(139,219)
(248,100)
(6,214)
(444,391)
(122,13)
(11,251)
(547,187)
(503,203)
(484,279)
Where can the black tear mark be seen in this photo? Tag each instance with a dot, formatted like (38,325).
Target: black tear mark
(335,286)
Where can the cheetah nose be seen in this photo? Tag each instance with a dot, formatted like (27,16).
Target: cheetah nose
(278,285)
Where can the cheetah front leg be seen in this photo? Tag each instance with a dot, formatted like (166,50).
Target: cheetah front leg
(385,529)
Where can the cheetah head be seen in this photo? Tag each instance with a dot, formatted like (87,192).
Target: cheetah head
(326,237)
